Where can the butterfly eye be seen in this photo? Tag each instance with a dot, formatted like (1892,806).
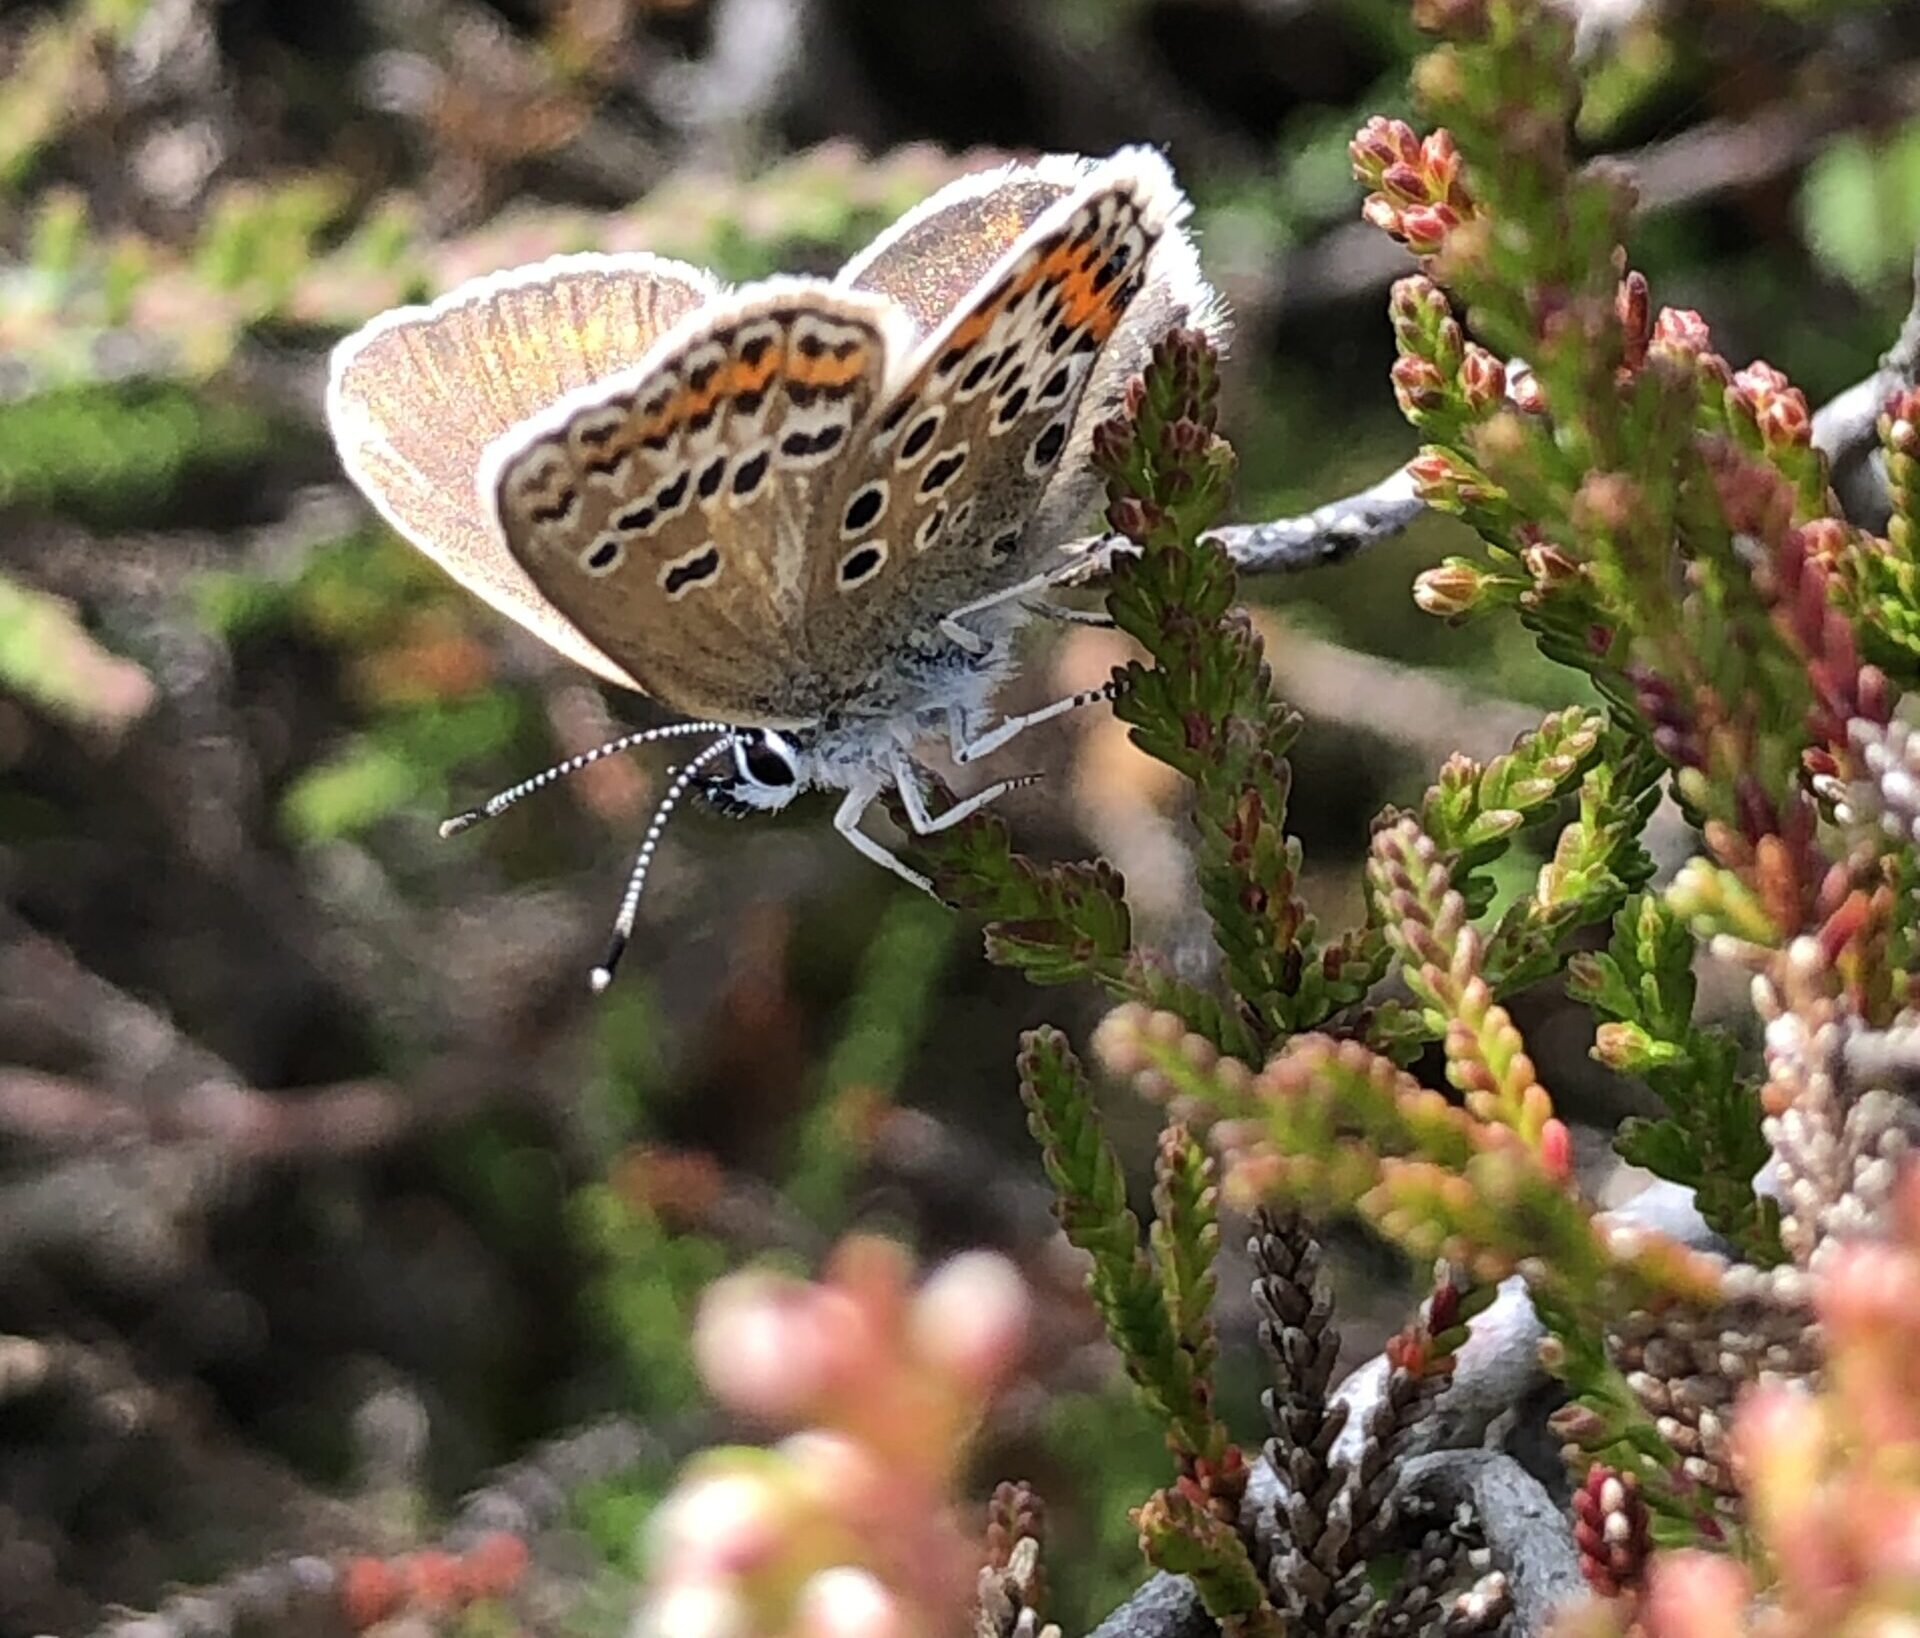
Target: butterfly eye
(764,760)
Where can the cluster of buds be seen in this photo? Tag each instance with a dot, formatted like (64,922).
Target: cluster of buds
(1438,369)
(1417,192)
(1899,428)
(1828,1475)
(1680,337)
(1163,463)
(845,1529)
(1762,397)
(1611,1530)
(432,1582)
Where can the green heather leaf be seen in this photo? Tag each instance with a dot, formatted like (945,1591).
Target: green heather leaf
(1710,1138)
(1091,1201)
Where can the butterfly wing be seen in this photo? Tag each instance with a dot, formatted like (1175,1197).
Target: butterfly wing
(976,464)
(415,398)
(664,511)
(932,258)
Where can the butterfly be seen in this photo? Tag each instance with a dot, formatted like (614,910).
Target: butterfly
(807,514)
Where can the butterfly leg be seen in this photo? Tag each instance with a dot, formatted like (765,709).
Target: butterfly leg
(907,781)
(1063,574)
(971,747)
(1067,615)
(847,821)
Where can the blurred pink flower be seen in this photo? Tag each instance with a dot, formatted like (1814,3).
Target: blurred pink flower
(846,1528)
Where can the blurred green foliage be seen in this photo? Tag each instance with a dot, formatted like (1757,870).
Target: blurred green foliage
(1860,207)
(37,95)
(135,455)
(894,993)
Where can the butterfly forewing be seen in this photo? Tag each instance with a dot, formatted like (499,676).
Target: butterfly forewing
(935,256)
(933,508)
(417,396)
(665,512)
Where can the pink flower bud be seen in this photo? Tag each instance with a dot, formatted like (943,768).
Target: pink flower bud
(1379,143)
(1404,184)
(1483,378)
(1441,161)
(845,1602)
(1425,227)
(761,1347)
(1694,1594)
(1377,210)
(1778,407)
(1681,333)
(1869,1290)
(724,1519)
(1633,304)
(694,1610)
(1450,590)
(1556,1150)
(1548,565)
(1417,385)
(835,1473)
(970,1319)
(1607,501)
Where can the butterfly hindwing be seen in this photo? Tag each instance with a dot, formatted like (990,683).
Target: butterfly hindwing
(664,511)
(934,505)
(415,397)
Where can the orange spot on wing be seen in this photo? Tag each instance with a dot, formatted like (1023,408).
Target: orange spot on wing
(741,377)
(826,370)
(974,326)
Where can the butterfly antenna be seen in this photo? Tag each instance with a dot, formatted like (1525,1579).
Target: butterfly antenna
(505,799)
(630,904)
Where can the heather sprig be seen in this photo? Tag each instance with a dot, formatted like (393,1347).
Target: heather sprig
(1156,1301)
(1205,705)
(1441,953)
(1643,987)
(1473,811)
(1129,1288)
(1335,1128)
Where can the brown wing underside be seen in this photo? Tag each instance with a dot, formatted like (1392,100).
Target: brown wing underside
(666,514)
(932,511)
(417,396)
(936,257)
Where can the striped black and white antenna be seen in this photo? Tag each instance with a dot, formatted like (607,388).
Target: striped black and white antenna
(630,904)
(500,802)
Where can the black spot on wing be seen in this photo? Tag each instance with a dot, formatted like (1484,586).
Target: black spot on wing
(747,475)
(693,571)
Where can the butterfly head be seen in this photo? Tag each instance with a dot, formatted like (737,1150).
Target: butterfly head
(766,771)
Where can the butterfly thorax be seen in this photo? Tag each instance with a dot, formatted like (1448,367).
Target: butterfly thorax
(858,745)
(914,698)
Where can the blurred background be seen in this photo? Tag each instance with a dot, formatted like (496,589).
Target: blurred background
(325,1186)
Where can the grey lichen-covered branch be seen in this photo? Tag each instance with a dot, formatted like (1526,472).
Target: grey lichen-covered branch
(1328,533)
(1481,1445)
(1843,427)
